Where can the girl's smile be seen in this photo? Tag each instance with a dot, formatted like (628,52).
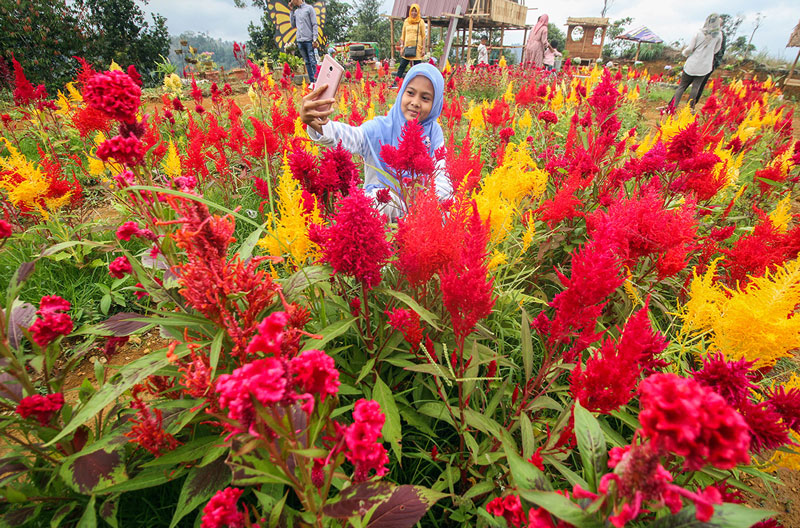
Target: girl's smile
(417,99)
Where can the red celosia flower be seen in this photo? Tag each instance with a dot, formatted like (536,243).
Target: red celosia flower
(43,408)
(685,144)
(465,284)
(316,372)
(424,243)
(221,510)
(733,380)
(24,92)
(355,244)
(683,417)
(364,450)
(263,142)
(120,267)
(115,93)
(787,404)
(509,508)
(87,120)
(548,117)
(262,379)
(148,428)
(767,430)
(562,206)
(134,75)
(383,196)
(5,229)
(52,322)
(269,339)
(463,166)
(337,171)
(112,345)
(407,323)
(127,230)
(498,114)
(411,157)
(125,150)
(604,98)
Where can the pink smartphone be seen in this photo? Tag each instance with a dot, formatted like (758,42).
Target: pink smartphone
(330,73)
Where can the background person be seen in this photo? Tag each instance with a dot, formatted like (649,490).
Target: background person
(700,52)
(483,52)
(537,41)
(304,18)
(550,54)
(414,33)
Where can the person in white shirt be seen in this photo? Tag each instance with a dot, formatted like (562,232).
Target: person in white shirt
(700,52)
(483,52)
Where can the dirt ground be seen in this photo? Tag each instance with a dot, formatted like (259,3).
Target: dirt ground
(779,498)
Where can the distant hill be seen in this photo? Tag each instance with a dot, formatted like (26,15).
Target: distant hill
(222,49)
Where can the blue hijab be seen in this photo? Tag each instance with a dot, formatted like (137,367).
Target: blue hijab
(385,130)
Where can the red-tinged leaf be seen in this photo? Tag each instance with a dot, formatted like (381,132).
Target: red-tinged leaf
(22,316)
(123,324)
(404,508)
(9,386)
(358,500)
(199,486)
(93,471)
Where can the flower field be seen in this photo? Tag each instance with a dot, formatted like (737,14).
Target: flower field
(598,328)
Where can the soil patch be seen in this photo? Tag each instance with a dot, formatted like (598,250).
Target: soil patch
(779,498)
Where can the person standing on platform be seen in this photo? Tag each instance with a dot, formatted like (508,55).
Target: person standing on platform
(483,52)
(537,42)
(700,61)
(412,41)
(304,18)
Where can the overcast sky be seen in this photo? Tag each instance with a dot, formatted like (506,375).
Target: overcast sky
(670,19)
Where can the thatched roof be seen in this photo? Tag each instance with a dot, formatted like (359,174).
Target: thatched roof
(794,38)
(587,21)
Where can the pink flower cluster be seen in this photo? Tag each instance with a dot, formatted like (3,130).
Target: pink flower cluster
(52,321)
(115,93)
(361,438)
(407,323)
(132,229)
(123,149)
(43,408)
(221,510)
(275,379)
(681,416)
(120,267)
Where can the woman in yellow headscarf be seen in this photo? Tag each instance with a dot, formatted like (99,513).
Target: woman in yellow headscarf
(413,41)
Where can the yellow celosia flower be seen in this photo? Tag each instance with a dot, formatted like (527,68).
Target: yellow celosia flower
(475,115)
(172,83)
(782,214)
(300,128)
(63,104)
(633,95)
(31,186)
(114,66)
(525,121)
(509,95)
(252,95)
(630,289)
(527,236)
(557,101)
(729,163)
(371,111)
(74,95)
(287,234)
(96,166)
(504,189)
(671,125)
(756,322)
(502,62)
(172,162)
(498,258)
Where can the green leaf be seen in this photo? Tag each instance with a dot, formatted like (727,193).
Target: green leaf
(436,410)
(527,345)
(188,196)
(392,430)
(572,477)
(561,507)
(330,332)
(199,486)
(127,377)
(525,474)
(149,478)
(61,513)
(216,348)
(482,423)
(528,441)
(189,451)
(89,517)
(275,514)
(249,244)
(303,278)
(105,303)
(591,445)
(424,314)
(726,515)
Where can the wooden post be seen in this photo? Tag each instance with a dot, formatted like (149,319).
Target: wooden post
(428,47)
(524,42)
(391,37)
(469,41)
(791,70)
(638,47)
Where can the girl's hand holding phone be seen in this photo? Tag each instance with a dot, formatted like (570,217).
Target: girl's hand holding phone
(314,112)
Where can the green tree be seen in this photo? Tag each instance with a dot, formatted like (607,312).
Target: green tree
(554,33)
(262,38)
(120,32)
(339,20)
(370,26)
(614,49)
(222,50)
(43,35)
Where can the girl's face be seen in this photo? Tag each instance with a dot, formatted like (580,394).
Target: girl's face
(417,100)
(413,12)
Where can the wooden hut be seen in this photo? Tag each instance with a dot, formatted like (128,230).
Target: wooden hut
(794,42)
(586,36)
(465,16)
